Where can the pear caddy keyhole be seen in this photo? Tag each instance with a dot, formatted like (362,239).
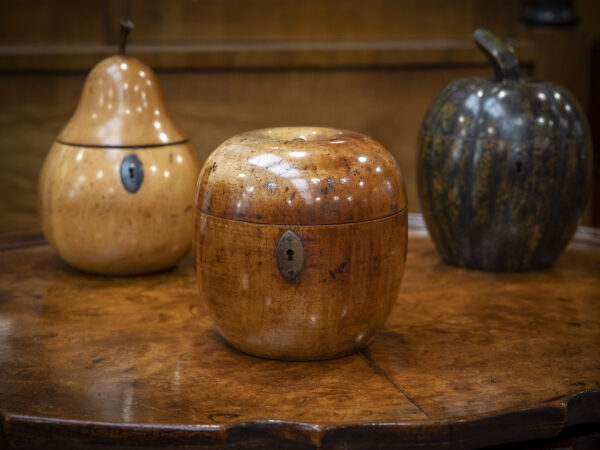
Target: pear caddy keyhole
(132,173)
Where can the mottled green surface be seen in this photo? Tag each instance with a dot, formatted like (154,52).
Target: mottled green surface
(504,169)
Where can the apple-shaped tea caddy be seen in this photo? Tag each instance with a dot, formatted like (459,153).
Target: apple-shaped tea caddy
(504,167)
(116,190)
(300,241)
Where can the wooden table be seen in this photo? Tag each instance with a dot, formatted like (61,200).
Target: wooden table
(468,359)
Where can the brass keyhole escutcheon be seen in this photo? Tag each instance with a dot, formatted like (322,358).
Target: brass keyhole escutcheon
(290,256)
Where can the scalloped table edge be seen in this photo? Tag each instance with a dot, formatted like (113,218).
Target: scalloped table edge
(579,409)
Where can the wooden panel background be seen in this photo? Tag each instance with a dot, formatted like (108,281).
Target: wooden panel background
(227,66)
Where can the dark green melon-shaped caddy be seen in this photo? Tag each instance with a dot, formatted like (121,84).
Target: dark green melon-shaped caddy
(504,167)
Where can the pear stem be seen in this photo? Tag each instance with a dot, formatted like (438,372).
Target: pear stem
(126,27)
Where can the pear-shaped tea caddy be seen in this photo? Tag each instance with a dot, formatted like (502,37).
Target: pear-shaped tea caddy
(116,190)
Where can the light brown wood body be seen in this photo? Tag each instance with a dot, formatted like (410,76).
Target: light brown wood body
(121,105)
(301,175)
(96,225)
(342,194)
(336,306)
(88,214)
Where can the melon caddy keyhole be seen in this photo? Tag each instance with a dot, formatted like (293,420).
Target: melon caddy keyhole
(290,254)
(131,171)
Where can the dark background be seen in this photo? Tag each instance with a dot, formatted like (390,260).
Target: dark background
(226,66)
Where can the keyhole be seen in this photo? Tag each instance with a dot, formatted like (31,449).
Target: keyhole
(290,256)
(518,165)
(132,173)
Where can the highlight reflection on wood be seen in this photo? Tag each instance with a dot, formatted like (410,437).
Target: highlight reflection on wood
(116,189)
(467,359)
(340,195)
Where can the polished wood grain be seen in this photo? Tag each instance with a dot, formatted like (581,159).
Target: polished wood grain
(468,359)
(98,226)
(340,195)
(116,189)
(300,176)
(335,306)
(121,105)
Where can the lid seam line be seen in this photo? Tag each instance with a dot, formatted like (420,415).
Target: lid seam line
(303,224)
(123,147)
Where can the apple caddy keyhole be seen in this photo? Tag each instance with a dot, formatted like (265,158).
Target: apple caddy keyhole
(290,256)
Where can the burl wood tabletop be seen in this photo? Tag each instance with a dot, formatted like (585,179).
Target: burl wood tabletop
(467,359)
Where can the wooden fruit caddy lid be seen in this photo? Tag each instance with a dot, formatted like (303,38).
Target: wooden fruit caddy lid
(301,176)
(121,105)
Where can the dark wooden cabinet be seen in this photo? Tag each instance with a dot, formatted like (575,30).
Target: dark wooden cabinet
(231,66)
